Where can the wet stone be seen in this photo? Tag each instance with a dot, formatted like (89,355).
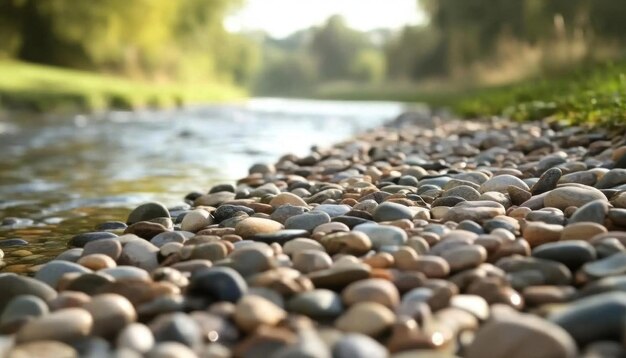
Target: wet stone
(146,212)
(81,240)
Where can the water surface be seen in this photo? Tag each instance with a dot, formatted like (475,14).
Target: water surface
(62,175)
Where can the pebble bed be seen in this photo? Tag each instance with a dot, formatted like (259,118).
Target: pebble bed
(464,239)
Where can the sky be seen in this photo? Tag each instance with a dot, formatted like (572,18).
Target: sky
(281,18)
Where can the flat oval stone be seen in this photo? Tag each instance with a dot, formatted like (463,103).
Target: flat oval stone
(371,290)
(613,265)
(383,235)
(548,181)
(339,276)
(565,196)
(595,318)
(196,220)
(464,257)
(389,211)
(500,183)
(121,273)
(594,211)
(582,231)
(294,246)
(111,313)
(539,233)
(287,198)
(356,345)
(227,211)
(218,284)
(176,327)
(281,236)
(255,226)
(521,335)
(333,210)
(367,318)
(253,311)
(353,242)
(21,308)
(42,349)
(311,260)
(147,212)
(136,336)
(14,285)
(81,240)
(111,248)
(572,254)
(52,272)
(62,325)
(140,253)
(318,303)
(307,221)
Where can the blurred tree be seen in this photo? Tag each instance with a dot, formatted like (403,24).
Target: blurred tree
(369,66)
(335,47)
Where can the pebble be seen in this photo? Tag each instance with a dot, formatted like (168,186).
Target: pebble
(62,325)
(371,290)
(81,240)
(548,181)
(355,345)
(218,283)
(354,243)
(594,211)
(42,349)
(500,183)
(137,337)
(388,211)
(572,254)
(140,253)
(146,212)
(582,231)
(368,318)
(21,309)
(566,196)
(318,303)
(254,226)
(52,272)
(465,257)
(307,221)
(111,248)
(613,265)
(111,313)
(176,327)
(520,335)
(287,198)
(382,235)
(196,220)
(253,311)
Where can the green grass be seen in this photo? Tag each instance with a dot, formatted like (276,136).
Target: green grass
(45,88)
(590,94)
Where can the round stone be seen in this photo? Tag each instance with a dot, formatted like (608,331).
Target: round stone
(572,254)
(254,226)
(566,196)
(369,318)
(355,345)
(613,265)
(146,212)
(582,231)
(218,284)
(81,240)
(97,262)
(538,233)
(140,253)
(42,349)
(111,248)
(196,220)
(111,313)
(500,183)
(389,211)
(253,311)
(311,260)
(520,335)
(353,242)
(318,303)
(371,290)
(465,257)
(307,221)
(383,235)
(294,246)
(136,336)
(287,198)
(594,211)
(167,237)
(176,327)
(62,325)
(52,272)
(22,308)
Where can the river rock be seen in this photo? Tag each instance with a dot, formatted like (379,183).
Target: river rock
(371,290)
(81,240)
(500,183)
(140,253)
(111,248)
(318,303)
(369,318)
(176,327)
(196,220)
(356,345)
(52,272)
(254,226)
(565,196)
(594,211)
(137,337)
(252,311)
(388,211)
(613,265)
(218,283)
(21,309)
(42,349)
(572,254)
(62,325)
(521,335)
(307,221)
(111,313)
(383,235)
(287,198)
(146,212)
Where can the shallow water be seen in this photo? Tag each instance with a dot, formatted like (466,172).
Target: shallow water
(69,173)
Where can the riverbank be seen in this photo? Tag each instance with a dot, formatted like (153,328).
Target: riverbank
(418,238)
(592,94)
(44,88)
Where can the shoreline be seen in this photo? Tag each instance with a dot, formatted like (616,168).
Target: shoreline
(396,242)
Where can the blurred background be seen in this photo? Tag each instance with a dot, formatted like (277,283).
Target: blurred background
(105,104)
(161,53)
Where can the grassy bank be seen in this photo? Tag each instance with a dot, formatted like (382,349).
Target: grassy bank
(591,94)
(44,88)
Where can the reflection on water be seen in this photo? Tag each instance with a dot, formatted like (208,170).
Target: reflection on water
(69,173)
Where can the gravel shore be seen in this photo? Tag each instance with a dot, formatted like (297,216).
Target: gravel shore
(423,238)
